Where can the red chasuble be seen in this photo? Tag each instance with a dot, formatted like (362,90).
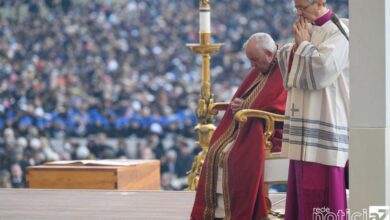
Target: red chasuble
(243,164)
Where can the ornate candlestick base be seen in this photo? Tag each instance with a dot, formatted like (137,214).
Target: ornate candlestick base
(205,132)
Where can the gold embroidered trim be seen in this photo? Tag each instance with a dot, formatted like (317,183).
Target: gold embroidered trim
(248,102)
(211,169)
(214,159)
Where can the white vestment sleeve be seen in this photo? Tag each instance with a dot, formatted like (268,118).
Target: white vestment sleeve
(318,67)
(283,55)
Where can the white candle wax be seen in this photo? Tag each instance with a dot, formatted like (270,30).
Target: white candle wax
(204,21)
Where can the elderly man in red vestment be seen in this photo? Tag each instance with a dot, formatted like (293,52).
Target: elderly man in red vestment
(231,184)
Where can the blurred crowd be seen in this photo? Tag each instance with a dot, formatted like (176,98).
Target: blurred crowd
(113,78)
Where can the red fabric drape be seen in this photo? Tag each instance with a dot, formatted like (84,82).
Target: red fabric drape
(246,159)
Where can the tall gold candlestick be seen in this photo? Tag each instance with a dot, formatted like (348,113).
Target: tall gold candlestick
(204,128)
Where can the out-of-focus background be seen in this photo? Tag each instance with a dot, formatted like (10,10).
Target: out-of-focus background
(110,79)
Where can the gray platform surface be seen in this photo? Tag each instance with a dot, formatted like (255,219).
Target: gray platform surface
(100,204)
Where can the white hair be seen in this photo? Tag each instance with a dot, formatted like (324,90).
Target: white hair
(263,41)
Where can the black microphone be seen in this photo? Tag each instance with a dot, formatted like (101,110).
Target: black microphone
(336,21)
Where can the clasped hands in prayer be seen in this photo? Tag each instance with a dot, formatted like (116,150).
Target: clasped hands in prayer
(301,31)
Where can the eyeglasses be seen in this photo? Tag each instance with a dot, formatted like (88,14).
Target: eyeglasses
(302,9)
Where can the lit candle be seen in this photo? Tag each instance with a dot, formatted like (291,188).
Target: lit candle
(204,19)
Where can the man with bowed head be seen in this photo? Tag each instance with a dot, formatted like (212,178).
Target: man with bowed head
(315,71)
(231,185)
